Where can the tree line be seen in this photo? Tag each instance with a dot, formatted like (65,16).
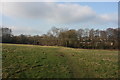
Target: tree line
(81,38)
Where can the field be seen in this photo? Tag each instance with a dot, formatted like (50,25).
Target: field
(31,61)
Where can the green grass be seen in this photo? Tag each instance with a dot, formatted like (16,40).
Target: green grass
(30,61)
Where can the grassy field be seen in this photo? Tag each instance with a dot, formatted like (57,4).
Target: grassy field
(30,61)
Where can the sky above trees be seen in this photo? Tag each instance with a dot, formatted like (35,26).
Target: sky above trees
(36,18)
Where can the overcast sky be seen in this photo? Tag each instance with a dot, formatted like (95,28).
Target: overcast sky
(37,18)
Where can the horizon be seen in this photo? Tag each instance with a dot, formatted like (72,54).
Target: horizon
(54,27)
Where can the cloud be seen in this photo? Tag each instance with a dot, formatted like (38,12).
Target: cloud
(25,30)
(60,0)
(56,12)
(105,19)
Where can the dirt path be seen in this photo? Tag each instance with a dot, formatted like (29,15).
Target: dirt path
(72,63)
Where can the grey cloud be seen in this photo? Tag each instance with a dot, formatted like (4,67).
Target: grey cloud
(25,30)
(56,12)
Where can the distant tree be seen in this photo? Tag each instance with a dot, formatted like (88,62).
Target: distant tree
(69,38)
(80,33)
(81,38)
(6,35)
